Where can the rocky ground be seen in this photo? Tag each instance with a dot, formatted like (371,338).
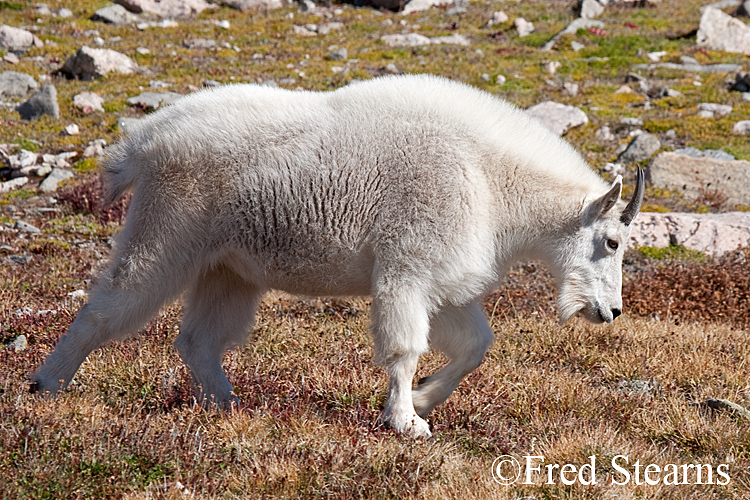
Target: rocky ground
(662,85)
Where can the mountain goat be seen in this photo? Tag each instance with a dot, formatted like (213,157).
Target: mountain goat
(416,190)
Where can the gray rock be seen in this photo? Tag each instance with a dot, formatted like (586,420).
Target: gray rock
(701,177)
(88,102)
(405,40)
(415,5)
(25,227)
(17,40)
(720,31)
(742,127)
(714,234)
(629,120)
(338,55)
(43,102)
(199,44)
(211,83)
(591,9)
(744,9)
(557,117)
(639,387)
(245,5)
(64,13)
(693,68)
(14,84)
(153,100)
(50,183)
(166,8)
(723,405)
(642,147)
(114,14)
(96,148)
(713,110)
(88,63)
(741,82)
(716,154)
(13,184)
(577,24)
(721,4)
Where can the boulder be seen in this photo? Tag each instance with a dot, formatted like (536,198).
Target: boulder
(88,102)
(114,14)
(523,27)
(741,82)
(54,179)
(245,5)
(742,127)
(17,40)
(713,110)
(714,234)
(591,9)
(698,178)
(642,147)
(153,100)
(557,117)
(14,84)
(166,8)
(720,31)
(88,63)
(42,102)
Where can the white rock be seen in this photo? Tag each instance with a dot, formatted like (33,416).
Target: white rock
(420,5)
(713,110)
(54,178)
(524,27)
(17,39)
(698,178)
(166,8)
(88,63)
(19,344)
(742,127)
(72,129)
(454,39)
(551,66)
(591,9)
(405,40)
(720,31)
(605,134)
(88,102)
(557,117)
(13,184)
(501,79)
(498,17)
(714,234)
(656,56)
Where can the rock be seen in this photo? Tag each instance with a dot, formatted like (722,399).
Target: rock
(199,44)
(498,17)
(702,177)
(557,117)
(591,9)
(245,5)
(742,127)
(570,88)
(72,129)
(25,227)
(54,178)
(153,100)
(114,14)
(19,343)
(576,25)
(713,110)
(17,40)
(551,66)
(501,79)
(42,102)
(726,406)
(419,5)
(632,121)
(306,30)
(64,13)
(741,82)
(692,67)
(714,234)
(338,55)
(639,387)
(88,63)
(744,9)
(605,134)
(26,159)
(14,84)
(96,148)
(11,58)
(642,147)
(720,31)
(405,40)
(88,102)
(166,8)
(523,27)
(721,4)
(454,39)
(13,184)
(716,154)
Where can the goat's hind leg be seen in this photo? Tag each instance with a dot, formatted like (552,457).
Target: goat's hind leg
(219,312)
(462,334)
(137,284)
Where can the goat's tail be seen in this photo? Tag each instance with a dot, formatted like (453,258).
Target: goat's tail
(120,170)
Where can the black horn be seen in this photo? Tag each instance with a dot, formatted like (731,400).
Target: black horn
(634,206)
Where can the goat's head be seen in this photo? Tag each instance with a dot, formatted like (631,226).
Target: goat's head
(590,260)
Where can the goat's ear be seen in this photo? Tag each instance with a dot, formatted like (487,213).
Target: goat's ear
(604,203)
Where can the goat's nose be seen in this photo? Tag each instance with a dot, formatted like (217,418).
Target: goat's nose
(616,313)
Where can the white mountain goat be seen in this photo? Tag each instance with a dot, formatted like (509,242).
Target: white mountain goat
(416,190)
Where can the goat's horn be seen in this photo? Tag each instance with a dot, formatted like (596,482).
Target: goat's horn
(634,206)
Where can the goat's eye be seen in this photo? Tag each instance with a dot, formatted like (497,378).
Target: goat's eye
(612,244)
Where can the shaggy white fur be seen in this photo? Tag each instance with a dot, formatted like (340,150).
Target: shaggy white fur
(416,190)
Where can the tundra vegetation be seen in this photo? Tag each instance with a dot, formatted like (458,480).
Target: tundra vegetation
(311,395)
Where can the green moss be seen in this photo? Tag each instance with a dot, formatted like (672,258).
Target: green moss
(12,6)
(18,194)
(673,253)
(654,207)
(535,39)
(86,165)
(742,208)
(28,145)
